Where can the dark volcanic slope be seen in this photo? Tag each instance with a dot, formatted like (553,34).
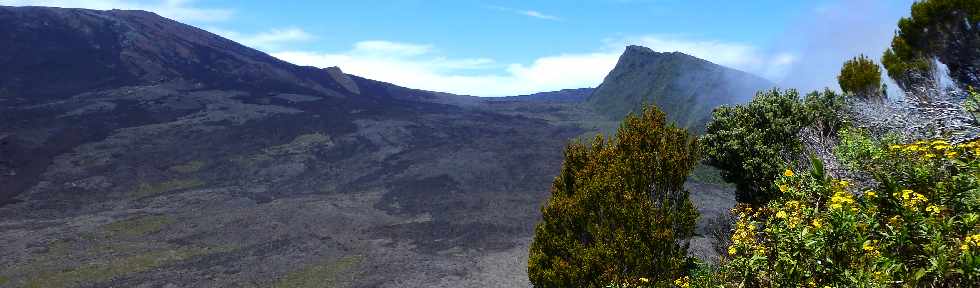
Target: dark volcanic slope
(683,86)
(142,152)
(54,54)
(147,152)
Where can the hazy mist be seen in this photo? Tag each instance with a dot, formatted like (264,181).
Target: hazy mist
(836,32)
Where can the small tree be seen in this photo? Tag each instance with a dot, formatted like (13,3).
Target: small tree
(619,209)
(861,77)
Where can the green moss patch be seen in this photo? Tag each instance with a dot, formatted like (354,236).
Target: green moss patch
(325,274)
(148,190)
(139,226)
(113,268)
(301,144)
(189,167)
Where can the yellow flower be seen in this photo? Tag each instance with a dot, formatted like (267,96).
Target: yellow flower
(840,199)
(868,246)
(732,250)
(644,280)
(894,221)
(844,183)
(788,173)
(783,187)
(935,210)
(781,214)
(683,282)
(870,194)
(794,221)
(895,147)
(817,224)
(951,154)
(910,199)
(793,205)
(930,155)
(972,241)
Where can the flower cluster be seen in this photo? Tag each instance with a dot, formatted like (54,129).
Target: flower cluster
(840,200)
(822,232)
(870,247)
(683,282)
(744,234)
(911,199)
(970,242)
(937,149)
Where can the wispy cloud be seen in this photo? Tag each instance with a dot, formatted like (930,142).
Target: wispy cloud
(180,10)
(529,13)
(422,66)
(270,40)
(539,15)
(836,31)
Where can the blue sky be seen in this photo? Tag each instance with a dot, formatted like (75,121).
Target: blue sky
(497,48)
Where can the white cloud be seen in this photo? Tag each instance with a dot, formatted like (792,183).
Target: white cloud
(539,15)
(273,39)
(386,48)
(529,13)
(180,10)
(420,66)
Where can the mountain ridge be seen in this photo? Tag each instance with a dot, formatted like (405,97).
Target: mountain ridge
(665,79)
(134,47)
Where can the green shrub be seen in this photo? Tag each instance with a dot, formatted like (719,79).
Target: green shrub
(826,111)
(747,142)
(618,209)
(861,77)
(972,104)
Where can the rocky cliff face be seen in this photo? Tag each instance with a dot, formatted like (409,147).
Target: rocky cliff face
(956,43)
(939,41)
(683,86)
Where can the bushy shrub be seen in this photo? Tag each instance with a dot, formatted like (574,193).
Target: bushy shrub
(750,143)
(918,227)
(861,77)
(972,104)
(826,111)
(618,210)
